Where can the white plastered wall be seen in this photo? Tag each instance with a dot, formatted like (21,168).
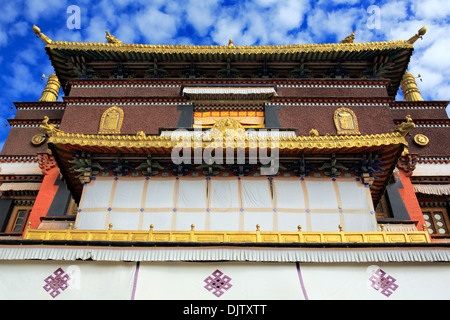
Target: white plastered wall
(92,280)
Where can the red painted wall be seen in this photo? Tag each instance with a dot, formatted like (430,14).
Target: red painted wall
(44,198)
(410,200)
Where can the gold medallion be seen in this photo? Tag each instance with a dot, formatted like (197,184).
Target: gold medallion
(421,139)
(38,139)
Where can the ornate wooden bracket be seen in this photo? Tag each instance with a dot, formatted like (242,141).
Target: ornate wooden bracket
(46,162)
(407,163)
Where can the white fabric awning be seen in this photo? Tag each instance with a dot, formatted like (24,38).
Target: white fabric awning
(228,90)
(248,133)
(435,189)
(224,253)
(20,168)
(17,186)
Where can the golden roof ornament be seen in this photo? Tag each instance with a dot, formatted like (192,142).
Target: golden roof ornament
(349,39)
(227,124)
(111,39)
(409,88)
(51,90)
(47,128)
(39,34)
(405,127)
(230,43)
(419,35)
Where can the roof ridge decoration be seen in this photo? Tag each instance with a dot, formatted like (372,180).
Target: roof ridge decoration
(47,128)
(39,34)
(405,127)
(111,39)
(419,35)
(347,43)
(349,39)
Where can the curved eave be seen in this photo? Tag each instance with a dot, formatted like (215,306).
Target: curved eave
(398,52)
(389,147)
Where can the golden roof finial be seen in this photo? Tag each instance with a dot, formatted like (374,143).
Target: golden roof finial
(409,88)
(230,43)
(112,39)
(405,127)
(349,39)
(419,34)
(51,90)
(48,128)
(39,34)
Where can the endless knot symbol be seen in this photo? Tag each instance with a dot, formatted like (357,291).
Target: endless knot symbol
(380,281)
(57,282)
(216,284)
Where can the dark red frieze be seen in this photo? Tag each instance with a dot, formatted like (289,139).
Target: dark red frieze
(235,81)
(31,121)
(122,100)
(439,160)
(18,158)
(426,121)
(20,178)
(39,104)
(413,104)
(331,100)
(148,118)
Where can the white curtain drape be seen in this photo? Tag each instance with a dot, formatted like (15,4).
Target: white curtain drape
(226,204)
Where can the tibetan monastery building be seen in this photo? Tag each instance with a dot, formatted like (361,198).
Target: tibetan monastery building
(226,173)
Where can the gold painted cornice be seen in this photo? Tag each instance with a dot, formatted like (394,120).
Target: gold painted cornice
(290,143)
(229,236)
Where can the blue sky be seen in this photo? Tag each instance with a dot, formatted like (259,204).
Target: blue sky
(23,60)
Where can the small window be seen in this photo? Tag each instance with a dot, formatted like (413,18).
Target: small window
(18,219)
(437,221)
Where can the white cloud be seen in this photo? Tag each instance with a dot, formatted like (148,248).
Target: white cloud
(10,11)
(339,23)
(228,28)
(37,10)
(431,9)
(260,22)
(95,31)
(156,26)
(201,14)
(289,14)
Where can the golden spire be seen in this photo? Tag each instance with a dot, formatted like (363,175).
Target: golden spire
(230,43)
(409,88)
(419,34)
(51,90)
(39,34)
